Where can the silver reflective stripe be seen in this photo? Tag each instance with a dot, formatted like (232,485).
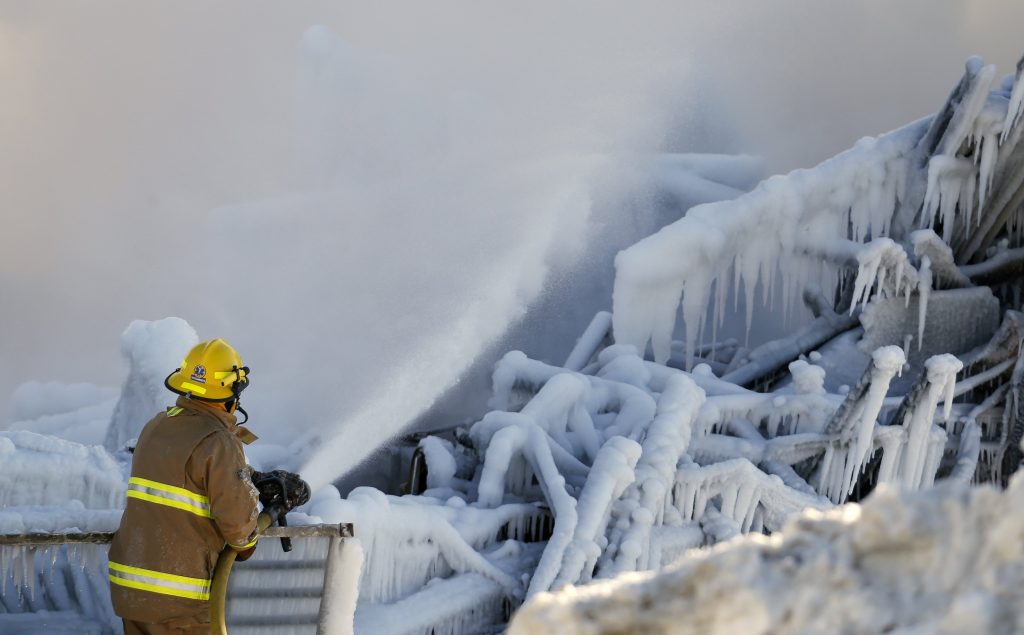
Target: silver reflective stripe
(162,494)
(159,582)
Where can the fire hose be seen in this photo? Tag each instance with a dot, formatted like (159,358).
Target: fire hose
(279,493)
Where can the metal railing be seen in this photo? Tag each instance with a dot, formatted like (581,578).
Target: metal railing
(273,592)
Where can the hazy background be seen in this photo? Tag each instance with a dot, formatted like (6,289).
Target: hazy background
(365,206)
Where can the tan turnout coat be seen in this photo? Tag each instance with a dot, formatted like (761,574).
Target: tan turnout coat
(189,495)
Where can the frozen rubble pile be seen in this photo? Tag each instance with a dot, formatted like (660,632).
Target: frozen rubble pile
(947,560)
(627,462)
(933,206)
(622,466)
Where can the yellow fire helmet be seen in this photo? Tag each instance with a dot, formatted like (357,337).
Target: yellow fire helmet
(211,371)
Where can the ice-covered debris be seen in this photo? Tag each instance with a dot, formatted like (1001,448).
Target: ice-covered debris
(440,459)
(882,264)
(153,350)
(570,563)
(462,604)
(888,360)
(71,517)
(968,454)
(985,139)
(1015,109)
(44,470)
(750,240)
(979,81)
(911,454)
(807,378)
(951,184)
(746,369)
(648,501)
(958,320)
(409,541)
(810,225)
(589,342)
(944,561)
(942,371)
(941,263)
(855,423)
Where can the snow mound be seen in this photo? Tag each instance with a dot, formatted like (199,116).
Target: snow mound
(946,560)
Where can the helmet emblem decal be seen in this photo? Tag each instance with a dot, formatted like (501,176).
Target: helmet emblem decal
(199,374)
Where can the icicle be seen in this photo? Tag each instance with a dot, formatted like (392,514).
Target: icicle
(947,396)
(986,173)
(899,278)
(918,423)
(924,287)
(1015,109)
(947,176)
(886,362)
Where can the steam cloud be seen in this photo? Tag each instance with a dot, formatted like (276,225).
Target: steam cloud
(352,202)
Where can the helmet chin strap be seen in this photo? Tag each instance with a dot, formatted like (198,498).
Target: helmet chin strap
(236,388)
(231,406)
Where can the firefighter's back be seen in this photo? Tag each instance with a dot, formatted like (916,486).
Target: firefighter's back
(163,555)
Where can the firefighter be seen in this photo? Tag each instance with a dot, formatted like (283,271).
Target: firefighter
(189,496)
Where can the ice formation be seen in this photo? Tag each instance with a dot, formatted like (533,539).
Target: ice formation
(152,350)
(621,467)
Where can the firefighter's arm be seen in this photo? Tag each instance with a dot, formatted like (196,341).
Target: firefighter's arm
(233,498)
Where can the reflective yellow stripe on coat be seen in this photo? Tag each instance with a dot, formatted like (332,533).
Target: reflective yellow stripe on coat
(159,582)
(169,495)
